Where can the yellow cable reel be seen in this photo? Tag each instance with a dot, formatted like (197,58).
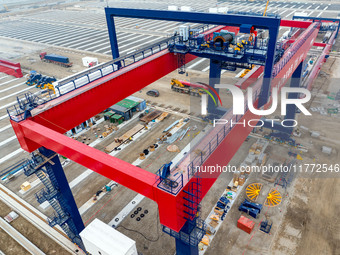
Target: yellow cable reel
(253,191)
(274,198)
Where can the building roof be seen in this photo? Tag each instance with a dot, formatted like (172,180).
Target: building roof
(136,99)
(127,103)
(119,108)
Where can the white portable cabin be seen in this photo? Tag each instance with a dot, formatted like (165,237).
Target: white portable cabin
(213,10)
(88,60)
(301,14)
(100,238)
(172,8)
(184,32)
(222,10)
(186,8)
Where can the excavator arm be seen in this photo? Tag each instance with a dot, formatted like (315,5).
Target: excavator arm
(265,10)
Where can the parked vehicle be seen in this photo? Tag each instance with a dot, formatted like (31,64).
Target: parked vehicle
(55,59)
(153,93)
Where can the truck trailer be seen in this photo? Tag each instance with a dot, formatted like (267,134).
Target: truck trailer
(56,59)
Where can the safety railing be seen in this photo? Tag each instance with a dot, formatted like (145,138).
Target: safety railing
(56,219)
(293,49)
(170,184)
(80,79)
(253,54)
(254,13)
(210,147)
(71,83)
(194,237)
(27,102)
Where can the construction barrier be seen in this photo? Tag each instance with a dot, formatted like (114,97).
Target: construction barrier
(10,68)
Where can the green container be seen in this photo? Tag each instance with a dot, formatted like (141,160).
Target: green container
(116,118)
(108,115)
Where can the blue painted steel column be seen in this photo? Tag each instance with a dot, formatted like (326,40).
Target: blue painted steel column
(214,78)
(268,69)
(291,108)
(64,190)
(183,248)
(112,34)
(294,83)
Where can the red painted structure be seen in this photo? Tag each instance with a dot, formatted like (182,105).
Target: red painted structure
(245,224)
(47,126)
(10,68)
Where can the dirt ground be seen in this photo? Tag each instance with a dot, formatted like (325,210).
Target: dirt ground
(28,56)
(44,243)
(311,225)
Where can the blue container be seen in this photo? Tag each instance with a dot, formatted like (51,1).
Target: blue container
(57,58)
(243,208)
(252,205)
(253,212)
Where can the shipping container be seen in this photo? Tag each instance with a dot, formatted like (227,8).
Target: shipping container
(245,224)
(108,115)
(57,58)
(116,118)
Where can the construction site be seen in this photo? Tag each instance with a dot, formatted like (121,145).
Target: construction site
(169,127)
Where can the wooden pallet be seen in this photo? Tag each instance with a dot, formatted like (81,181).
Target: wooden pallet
(150,116)
(124,137)
(163,116)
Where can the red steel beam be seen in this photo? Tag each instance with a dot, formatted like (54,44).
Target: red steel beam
(74,108)
(113,168)
(295,23)
(316,44)
(10,68)
(171,207)
(288,67)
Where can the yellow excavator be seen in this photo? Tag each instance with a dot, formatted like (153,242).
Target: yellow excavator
(49,87)
(186,87)
(265,10)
